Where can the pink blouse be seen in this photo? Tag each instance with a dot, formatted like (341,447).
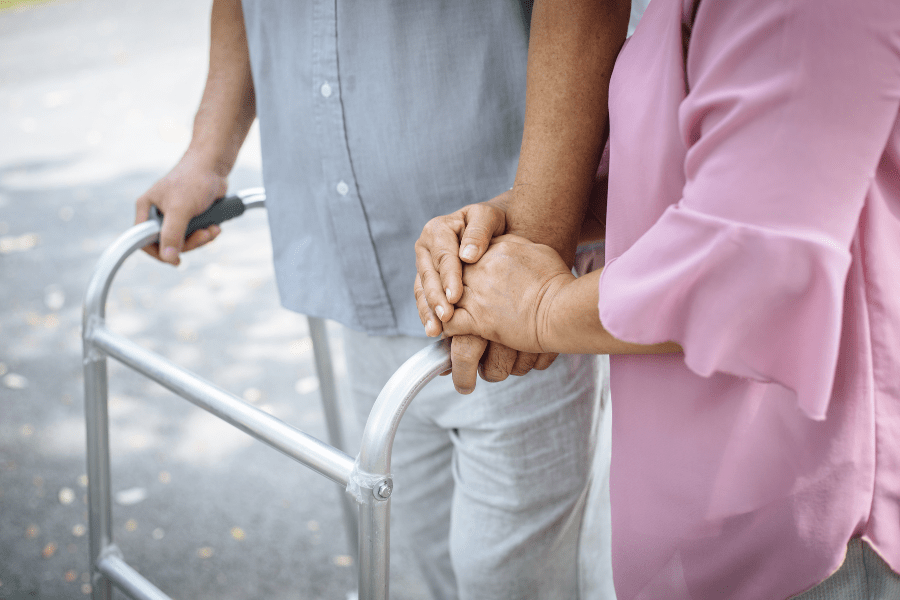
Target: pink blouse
(755,220)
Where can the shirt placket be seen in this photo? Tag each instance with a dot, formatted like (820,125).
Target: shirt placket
(347,215)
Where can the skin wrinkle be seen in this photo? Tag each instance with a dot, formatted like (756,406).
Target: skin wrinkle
(544,310)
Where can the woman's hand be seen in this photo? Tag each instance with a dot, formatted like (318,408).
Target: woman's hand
(445,244)
(508,293)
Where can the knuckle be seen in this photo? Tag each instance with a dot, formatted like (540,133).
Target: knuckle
(431,228)
(467,355)
(544,361)
(467,352)
(476,232)
(493,373)
(428,277)
(447,261)
(524,363)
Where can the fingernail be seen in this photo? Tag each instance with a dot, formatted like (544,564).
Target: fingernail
(469,251)
(169,254)
(440,311)
(464,391)
(429,327)
(447,293)
(215,230)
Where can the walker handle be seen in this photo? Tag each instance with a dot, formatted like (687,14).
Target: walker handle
(222,209)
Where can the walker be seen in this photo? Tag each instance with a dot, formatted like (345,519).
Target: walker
(367,479)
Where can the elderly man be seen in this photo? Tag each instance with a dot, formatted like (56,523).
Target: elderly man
(374,118)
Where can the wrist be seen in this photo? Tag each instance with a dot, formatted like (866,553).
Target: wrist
(557,228)
(547,328)
(206,161)
(502,201)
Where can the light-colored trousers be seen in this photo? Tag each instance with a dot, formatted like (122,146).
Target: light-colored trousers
(489,488)
(863,576)
(595,577)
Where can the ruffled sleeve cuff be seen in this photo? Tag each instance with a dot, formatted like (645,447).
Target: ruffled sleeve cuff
(752,302)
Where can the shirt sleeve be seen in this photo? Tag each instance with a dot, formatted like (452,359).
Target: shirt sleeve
(789,109)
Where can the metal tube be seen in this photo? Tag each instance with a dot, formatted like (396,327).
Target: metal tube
(327,389)
(331,408)
(127,579)
(374,464)
(99,495)
(401,388)
(253,197)
(300,446)
(96,386)
(374,547)
(109,262)
(95,398)
(137,237)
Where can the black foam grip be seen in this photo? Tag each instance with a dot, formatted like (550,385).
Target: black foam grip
(222,210)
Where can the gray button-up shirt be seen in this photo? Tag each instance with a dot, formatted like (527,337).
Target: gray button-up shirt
(376,116)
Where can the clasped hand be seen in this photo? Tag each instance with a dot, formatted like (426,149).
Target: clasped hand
(489,291)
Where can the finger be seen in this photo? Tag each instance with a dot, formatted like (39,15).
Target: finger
(465,354)
(462,323)
(141,214)
(482,223)
(544,360)
(426,315)
(524,363)
(428,257)
(497,363)
(201,237)
(152,250)
(441,238)
(171,234)
(142,209)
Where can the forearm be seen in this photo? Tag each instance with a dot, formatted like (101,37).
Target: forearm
(572,50)
(593,227)
(228,106)
(571,324)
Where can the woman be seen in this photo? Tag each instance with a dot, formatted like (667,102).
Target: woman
(753,243)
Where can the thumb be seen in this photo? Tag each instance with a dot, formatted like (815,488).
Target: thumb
(482,224)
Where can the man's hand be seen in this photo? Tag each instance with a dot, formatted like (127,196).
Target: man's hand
(223,119)
(508,294)
(446,242)
(185,192)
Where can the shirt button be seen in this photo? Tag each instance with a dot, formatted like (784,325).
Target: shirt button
(343,188)
(325,89)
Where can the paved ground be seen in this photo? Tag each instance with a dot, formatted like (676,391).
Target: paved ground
(96,102)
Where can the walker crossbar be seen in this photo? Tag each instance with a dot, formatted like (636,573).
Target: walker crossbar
(114,567)
(302,447)
(368,477)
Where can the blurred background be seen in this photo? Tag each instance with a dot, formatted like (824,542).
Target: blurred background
(96,102)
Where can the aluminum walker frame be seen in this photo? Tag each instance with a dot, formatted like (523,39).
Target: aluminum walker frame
(368,478)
